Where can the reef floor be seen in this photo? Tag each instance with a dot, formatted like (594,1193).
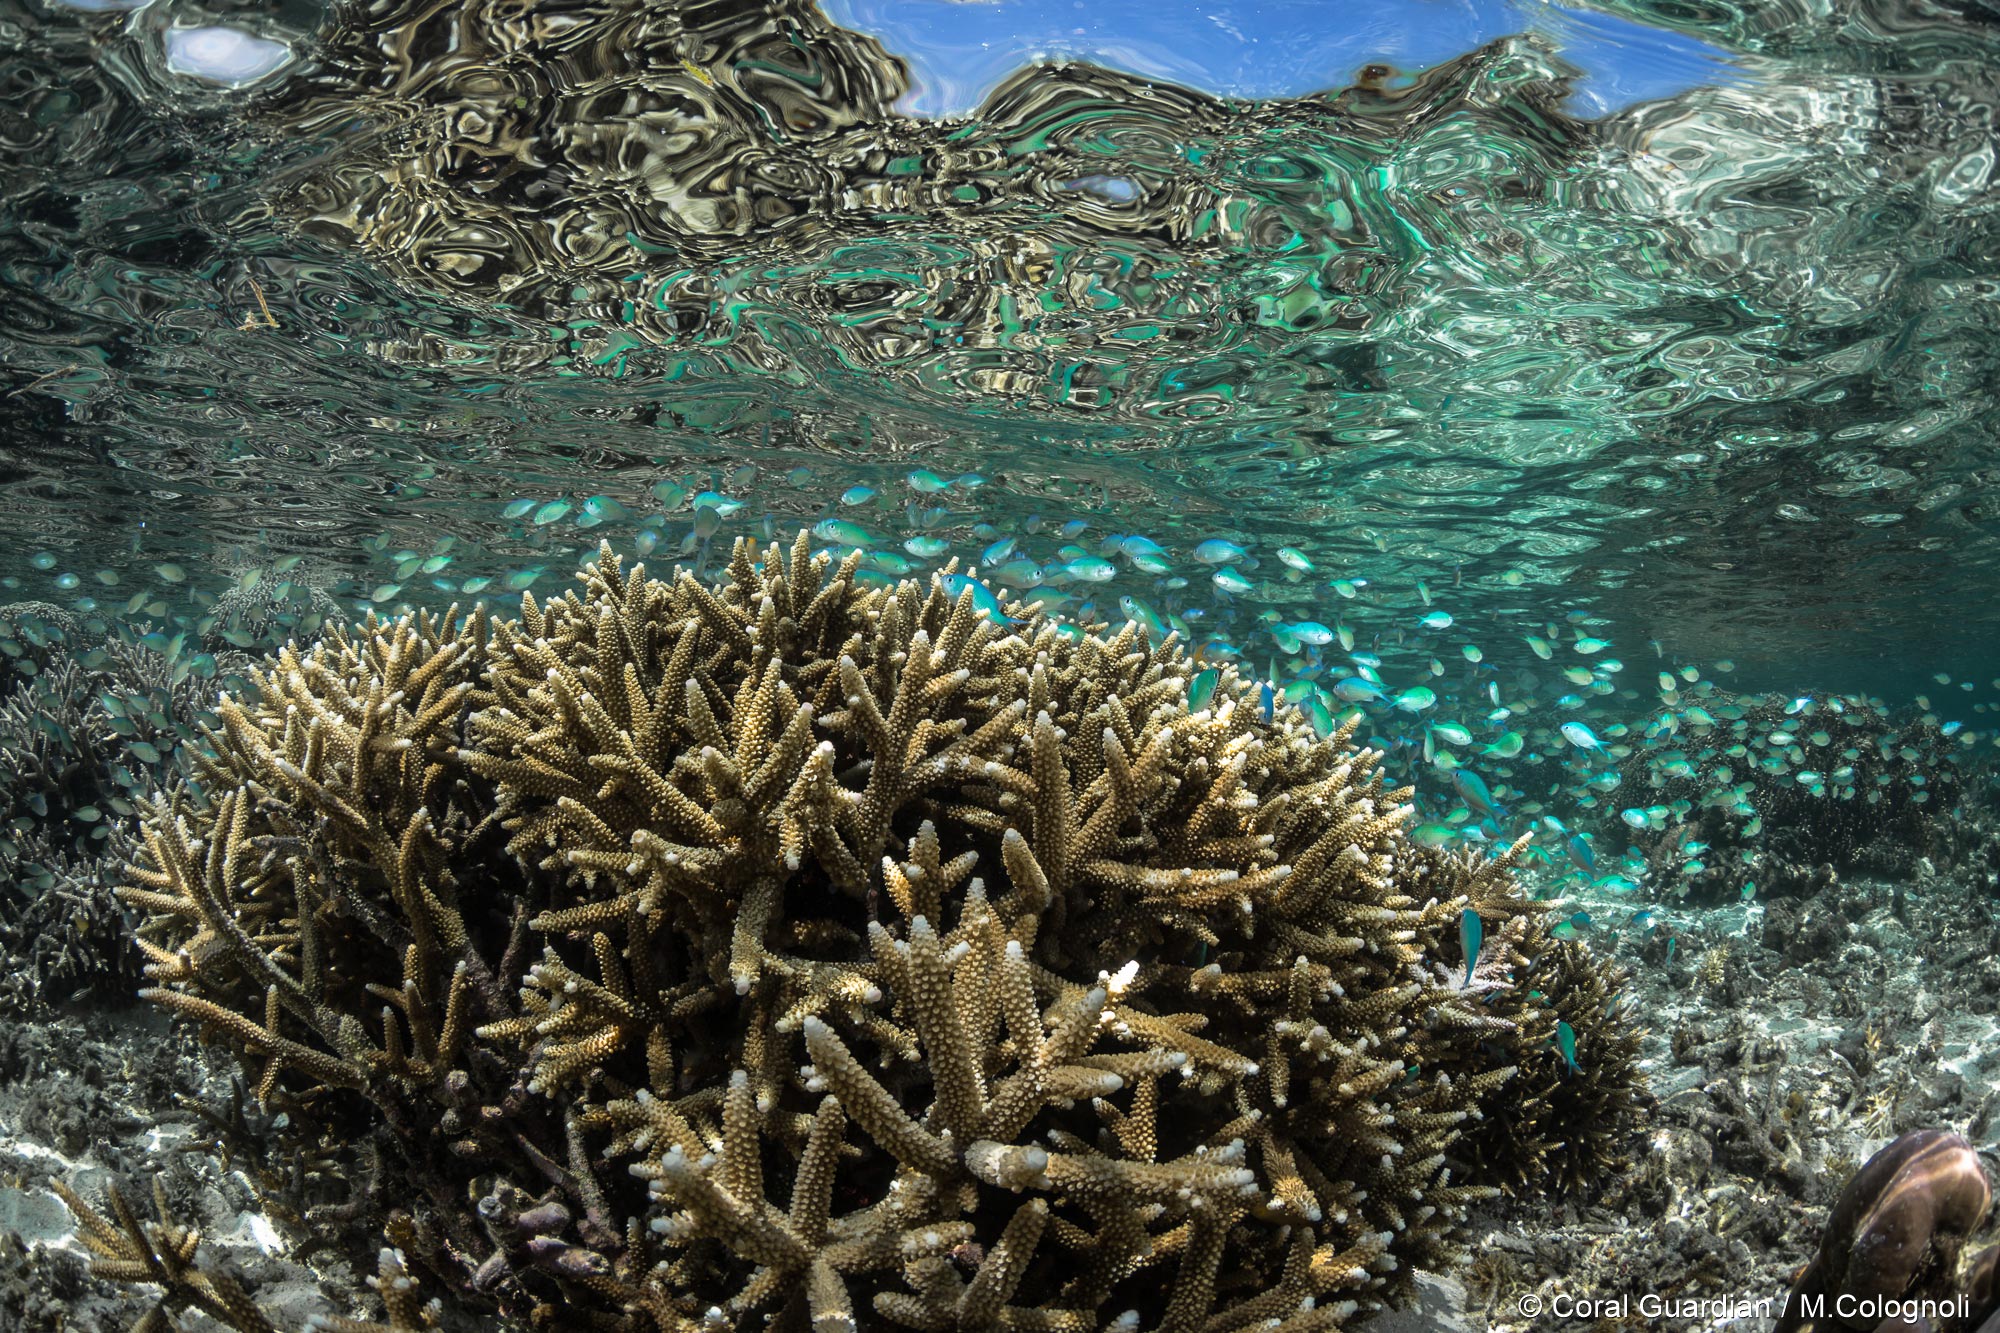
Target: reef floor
(1785,1042)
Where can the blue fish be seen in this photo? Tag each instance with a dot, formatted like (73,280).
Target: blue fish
(1138,609)
(1202,688)
(1471,934)
(1579,735)
(1018,573)
(1566,1043)
(1355,690)
(841,532)
(1231,580)
(1090,569)
(1267,698)
(1216,551)
(721,504)
(1472,789)
(983,599)
(1581,854)
(1416,699)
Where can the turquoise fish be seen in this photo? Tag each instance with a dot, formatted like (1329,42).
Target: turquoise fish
(1202,688)
(983,599)
(1471,934)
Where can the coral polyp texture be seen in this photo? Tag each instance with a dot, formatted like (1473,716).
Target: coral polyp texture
(833,955)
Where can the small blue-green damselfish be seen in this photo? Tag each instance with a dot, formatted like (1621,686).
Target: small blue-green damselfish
(1471,934)
(983,600)
(1202,688)
(1566,1043)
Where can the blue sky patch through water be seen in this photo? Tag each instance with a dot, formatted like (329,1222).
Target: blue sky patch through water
(960,49)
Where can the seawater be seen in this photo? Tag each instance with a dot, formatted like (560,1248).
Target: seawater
(1517,412)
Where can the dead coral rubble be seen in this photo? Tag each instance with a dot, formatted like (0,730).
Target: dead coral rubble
(829,954)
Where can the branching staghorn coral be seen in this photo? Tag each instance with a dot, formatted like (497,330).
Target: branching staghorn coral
(162,1254)
(837,955)
(67,932)
(1552,1128)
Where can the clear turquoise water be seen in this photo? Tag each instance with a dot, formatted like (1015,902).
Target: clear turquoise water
(1665,326)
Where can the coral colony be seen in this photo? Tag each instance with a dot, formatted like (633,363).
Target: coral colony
(806,953)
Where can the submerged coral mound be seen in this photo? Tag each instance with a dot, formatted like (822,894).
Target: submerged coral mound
(834,953)
(89,723)
(1777,794)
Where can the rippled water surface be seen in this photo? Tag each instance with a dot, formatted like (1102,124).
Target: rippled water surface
(1678,316)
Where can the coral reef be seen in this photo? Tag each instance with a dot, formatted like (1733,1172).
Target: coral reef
(93,723)
(32,632)
(837,953)
(162,1254)
(61,929)
(1537,1137)
(1782,793)
(83,736)
(110,1093)
(263,610)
